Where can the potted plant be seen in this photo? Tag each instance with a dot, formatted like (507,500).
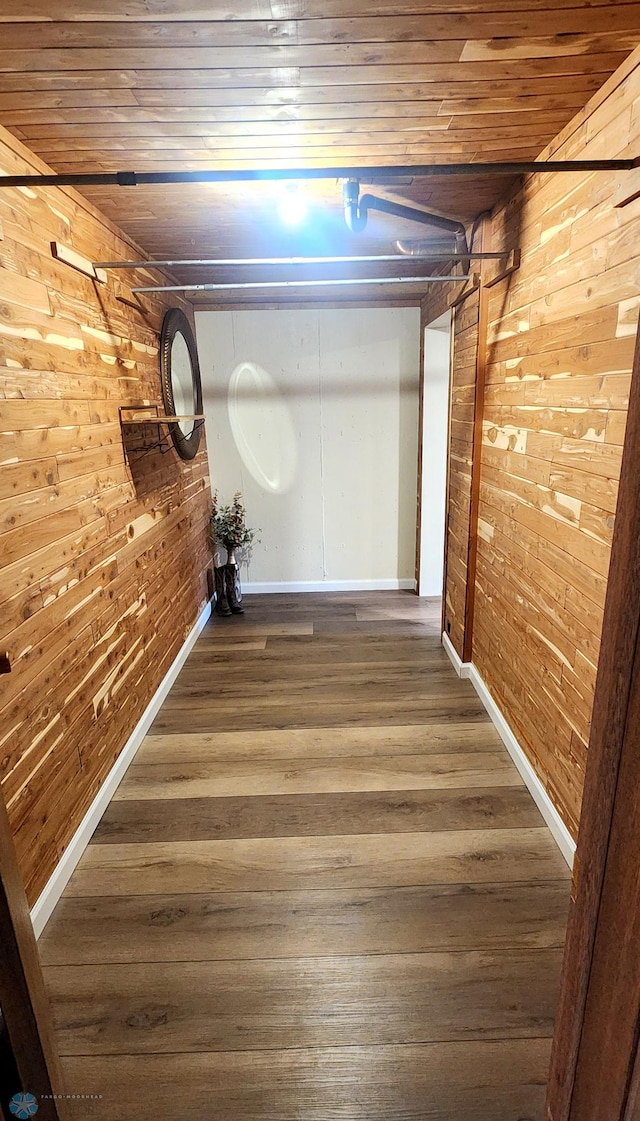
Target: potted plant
(229,528)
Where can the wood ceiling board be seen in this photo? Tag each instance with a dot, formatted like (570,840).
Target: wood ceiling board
(201,122)
(257,104)
(13,11)
(500,67)
(264,84)
(230,162)
(251,86)
(319,55)
(367,28)
(233,58)
(102,147)
(130,122)
(316,82)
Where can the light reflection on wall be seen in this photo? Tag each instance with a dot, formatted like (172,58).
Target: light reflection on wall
(262,427)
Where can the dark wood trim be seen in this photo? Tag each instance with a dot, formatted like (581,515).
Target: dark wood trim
(478,414)
(478,417)
(452,344)
(589,1041)
(471,286)
(608,1043)
(22,994)
(423,325)
(512,263)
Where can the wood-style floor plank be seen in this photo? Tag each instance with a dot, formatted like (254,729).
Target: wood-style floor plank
(195,679)
(330,743)
(247,715)
(249,629)
(213,779)
(322,1001)
(322,891)
(283,924)
(501,1080)
(324,648)
(308,815)
(285,863)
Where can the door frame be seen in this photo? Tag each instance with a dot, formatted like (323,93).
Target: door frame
(425,324)
(25,1008)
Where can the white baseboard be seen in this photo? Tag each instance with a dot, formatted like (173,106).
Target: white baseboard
(45,904)
(462,669)
(554,822)
(330,586)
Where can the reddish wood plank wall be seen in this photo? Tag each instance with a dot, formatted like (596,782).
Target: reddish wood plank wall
(464,328)
(559,351)
(103,556)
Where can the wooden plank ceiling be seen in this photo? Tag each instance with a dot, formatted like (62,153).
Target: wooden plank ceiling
(290,83)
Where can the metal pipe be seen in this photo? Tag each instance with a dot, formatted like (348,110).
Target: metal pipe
(433,255)
(144,178)
(356,213)
(301,283)
(420,249)
(412,214)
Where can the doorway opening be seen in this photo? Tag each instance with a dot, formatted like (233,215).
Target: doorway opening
(434,439)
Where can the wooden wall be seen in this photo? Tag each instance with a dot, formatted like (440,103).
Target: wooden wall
(559,351)
(103,557)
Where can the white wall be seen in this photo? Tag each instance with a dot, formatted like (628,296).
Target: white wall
(437,343)
(314,416)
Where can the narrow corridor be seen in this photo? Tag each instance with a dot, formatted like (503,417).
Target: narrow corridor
(321,891)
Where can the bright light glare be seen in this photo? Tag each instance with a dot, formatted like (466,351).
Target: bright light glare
(292,205)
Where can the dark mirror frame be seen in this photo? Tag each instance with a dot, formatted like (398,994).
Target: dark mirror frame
(175,323)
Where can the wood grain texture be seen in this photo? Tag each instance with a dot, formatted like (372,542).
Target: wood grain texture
(463,408)
(371,860)
(545,541)
(399,772)
(103,553)
(281,85)
(293,743)
(247,1005)
(489,1081)
(599,964)
(328,920)
(559,349)
(306,815)
(283,924)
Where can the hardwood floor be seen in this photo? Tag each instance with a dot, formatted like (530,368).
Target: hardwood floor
(321,891)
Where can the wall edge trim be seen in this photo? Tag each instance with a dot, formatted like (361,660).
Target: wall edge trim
(390,585)
(463,669)
(49,897)
(553,821)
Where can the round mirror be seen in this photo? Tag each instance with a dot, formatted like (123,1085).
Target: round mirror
(181,388)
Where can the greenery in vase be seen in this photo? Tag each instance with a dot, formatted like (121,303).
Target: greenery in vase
(228,524)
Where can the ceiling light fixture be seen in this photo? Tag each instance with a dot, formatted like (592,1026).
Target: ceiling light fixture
(293,207)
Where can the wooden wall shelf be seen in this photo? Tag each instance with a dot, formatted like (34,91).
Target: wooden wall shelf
(162,419)
(164,443)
